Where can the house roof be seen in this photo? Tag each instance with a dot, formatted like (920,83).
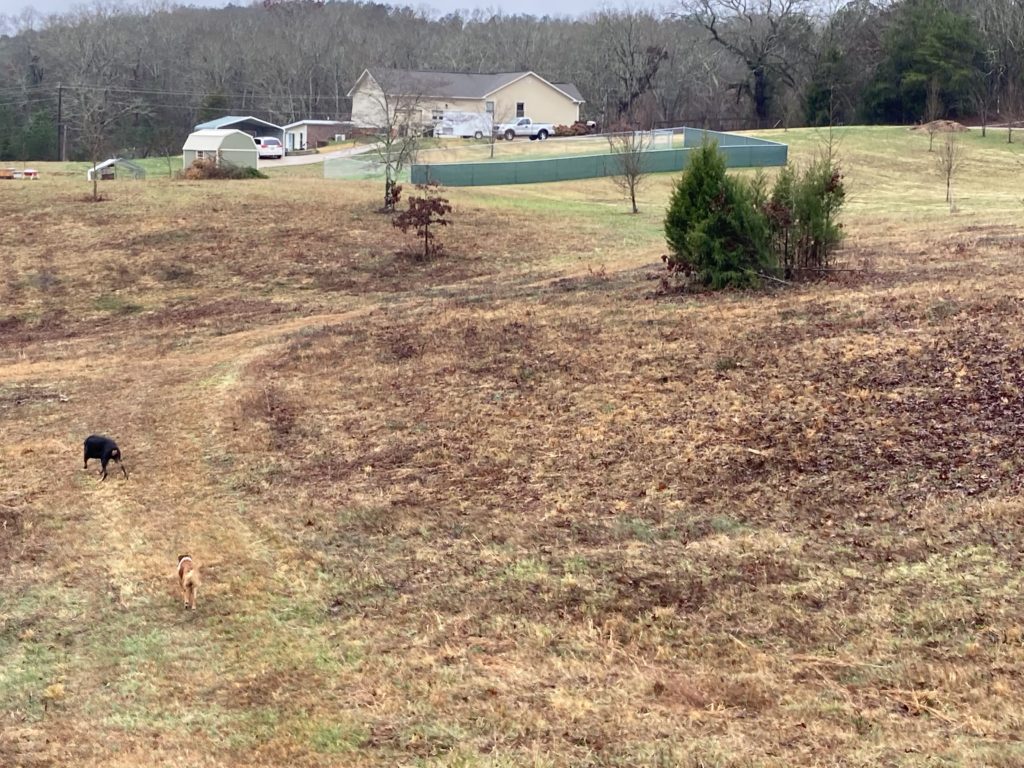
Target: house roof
(571,91)
(211,138)
(227,120)
(455,85)
(312,122)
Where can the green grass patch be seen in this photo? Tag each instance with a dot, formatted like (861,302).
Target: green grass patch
(116,304)
(331,737)
(185,715)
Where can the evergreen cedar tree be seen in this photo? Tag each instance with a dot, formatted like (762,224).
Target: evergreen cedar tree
(713,228)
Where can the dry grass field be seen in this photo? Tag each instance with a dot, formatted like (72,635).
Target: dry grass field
(514,507)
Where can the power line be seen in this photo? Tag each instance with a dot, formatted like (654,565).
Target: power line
(198,94)
(15,90)
(26,102)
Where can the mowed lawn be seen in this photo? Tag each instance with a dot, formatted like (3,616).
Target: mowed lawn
(517,506)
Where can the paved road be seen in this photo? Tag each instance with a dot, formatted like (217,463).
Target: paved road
(317,158)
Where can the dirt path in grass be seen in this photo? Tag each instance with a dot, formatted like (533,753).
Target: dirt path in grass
(132,656)
(127,657)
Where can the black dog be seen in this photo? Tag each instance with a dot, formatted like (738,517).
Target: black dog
(104,449)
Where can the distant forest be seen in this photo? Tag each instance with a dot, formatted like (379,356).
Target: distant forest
(141,76)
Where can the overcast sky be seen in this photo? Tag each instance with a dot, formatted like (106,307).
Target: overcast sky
(507,7)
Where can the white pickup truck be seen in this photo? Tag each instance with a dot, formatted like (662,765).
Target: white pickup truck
(524,126)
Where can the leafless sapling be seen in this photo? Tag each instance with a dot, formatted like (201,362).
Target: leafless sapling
(629,152)
(949,161)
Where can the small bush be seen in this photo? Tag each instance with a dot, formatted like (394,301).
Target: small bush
(802,214)
(423,212)
(715,231)
(211,169)
(726,363)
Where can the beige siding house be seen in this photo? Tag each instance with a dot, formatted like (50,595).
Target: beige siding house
(424,97)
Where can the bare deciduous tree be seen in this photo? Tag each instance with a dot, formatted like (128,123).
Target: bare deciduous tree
(770,37)
(95,103)
(632,42)
(985,90)
(94,113)
(949,161)
(1002,26)
(932,110)
(1013,106)
(629,149)
(398,103)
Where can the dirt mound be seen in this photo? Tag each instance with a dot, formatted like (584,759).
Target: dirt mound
(940,126)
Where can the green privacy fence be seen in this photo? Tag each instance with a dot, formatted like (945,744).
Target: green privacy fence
(739,152)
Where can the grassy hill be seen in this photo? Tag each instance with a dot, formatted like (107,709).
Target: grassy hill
(512,507)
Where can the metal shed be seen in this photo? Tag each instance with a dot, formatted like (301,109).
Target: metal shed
(254,126)
(223,146)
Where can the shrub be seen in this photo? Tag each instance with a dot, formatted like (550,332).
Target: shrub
(714,229)
(802,214)
(210,169)
(725,232)
(423,212)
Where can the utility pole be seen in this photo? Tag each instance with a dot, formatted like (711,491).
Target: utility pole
(60,104)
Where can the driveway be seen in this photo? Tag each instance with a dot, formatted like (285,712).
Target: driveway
(317,158)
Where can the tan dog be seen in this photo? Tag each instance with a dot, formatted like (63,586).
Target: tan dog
(188,577)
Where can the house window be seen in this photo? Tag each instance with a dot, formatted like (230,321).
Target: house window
(200,154)
(520,109)
(489,106)
(436,114)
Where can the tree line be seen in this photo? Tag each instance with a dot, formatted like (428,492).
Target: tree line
(146,74)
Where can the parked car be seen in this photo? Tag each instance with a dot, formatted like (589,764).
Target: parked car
(269,146)
(524,126)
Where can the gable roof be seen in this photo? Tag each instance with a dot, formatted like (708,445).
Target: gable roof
(455,85)
(571,91)
(221,122)
(211,138)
